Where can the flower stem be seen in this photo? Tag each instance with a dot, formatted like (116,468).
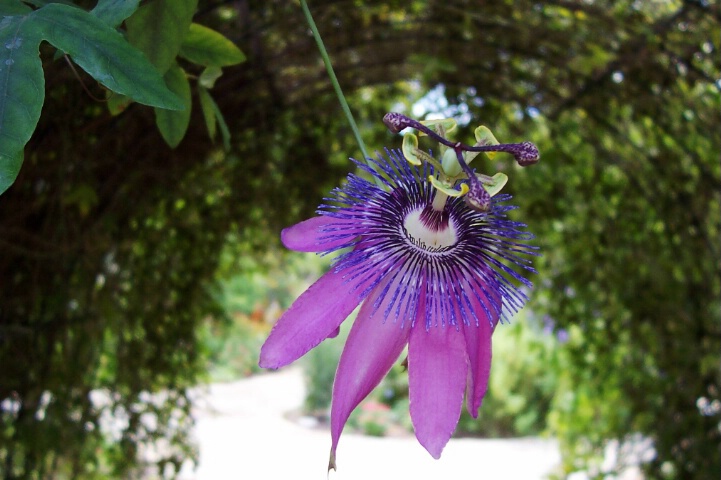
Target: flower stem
(334,80)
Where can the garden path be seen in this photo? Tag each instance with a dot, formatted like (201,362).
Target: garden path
(244,432)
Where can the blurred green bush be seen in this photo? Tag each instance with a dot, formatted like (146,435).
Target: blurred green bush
(252,298)
(526,368)
(232,347)
(319,367)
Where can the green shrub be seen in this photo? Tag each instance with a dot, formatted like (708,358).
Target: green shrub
(319,367)
(252,296)
(232,347)
(372,418)
(524,379)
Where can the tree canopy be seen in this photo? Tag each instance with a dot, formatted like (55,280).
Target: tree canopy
(112,231)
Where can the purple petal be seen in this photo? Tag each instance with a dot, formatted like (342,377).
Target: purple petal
(373,344)
(437,374)
(309,235)
(313,317)
(478,343)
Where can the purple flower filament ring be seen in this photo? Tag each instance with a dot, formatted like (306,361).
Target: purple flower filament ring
(405,235)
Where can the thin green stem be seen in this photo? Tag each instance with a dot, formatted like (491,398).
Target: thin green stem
(334,81)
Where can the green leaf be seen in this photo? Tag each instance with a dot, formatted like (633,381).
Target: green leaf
(42,3)
(113,12)
(209,75)
(104,54)
(9,168)
(206,105)
(174,124)
(13,7)
(207,47)
(158,28)
(93,45)
(22,91)
(211,108)
(224,131)
(117,103)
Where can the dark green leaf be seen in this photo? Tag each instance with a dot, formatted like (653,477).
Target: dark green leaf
(208,47)
(113,12)
(206,104)
(173,124)
(224,131)
(10,164)
(22,90)
(42,3)
(158,28)
(13,7)
(103,53)
(213,116)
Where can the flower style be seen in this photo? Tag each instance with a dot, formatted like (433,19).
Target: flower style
(428,254)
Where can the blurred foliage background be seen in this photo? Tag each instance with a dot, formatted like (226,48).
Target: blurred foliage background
(124,261)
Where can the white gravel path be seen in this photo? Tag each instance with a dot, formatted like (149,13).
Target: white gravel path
(243,434)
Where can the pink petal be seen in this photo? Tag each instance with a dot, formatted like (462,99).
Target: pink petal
(437,373)
(478,341)
(313,317)
(373,344)
(311,235)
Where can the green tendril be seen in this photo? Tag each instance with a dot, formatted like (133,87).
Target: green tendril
(336,85)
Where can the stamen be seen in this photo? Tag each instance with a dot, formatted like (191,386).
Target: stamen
(477,197)
(525,153)
(395,121)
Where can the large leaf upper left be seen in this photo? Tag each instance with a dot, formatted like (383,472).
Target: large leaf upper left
(91,42)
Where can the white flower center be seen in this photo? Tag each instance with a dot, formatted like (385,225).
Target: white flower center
(428,236)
